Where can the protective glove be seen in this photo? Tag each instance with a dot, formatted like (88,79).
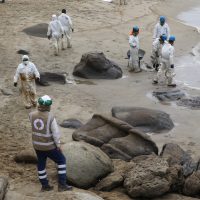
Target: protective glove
(172,66)
(15,84)
(49,37)
(72,30)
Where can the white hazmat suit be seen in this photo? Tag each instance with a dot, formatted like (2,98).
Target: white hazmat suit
(66,23)
(55,33)
(161,30)
(167,62)
(134,57)
(156,52)
(27,73)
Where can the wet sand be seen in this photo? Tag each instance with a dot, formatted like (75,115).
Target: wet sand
(98,26)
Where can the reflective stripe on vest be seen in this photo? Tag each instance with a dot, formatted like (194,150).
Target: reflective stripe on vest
(42,137)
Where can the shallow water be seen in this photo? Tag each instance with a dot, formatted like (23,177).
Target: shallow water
(188,66)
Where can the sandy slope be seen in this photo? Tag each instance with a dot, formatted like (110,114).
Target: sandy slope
(98,26)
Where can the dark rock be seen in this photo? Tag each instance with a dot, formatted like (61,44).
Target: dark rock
(46,77)
(176,155)
(86,164)
(26,156)
(115,137)
(3,187)
(94,65)
(146,120)
(39,30)
(150,176)
(23,52)
(191,102)
(169,94)
(71,123)
(192,184)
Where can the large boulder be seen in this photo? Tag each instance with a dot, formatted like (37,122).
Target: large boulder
(145,119)
(3,187)
(177,156)
(116,138)
(94,65)
(86,164)
(46,77)
(192,184)
(150,176)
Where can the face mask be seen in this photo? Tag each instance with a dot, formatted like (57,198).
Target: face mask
(25,62)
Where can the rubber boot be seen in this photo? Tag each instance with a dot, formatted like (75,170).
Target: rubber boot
(46,188)
(62,188)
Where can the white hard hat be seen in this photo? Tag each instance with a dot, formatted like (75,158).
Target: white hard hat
(54,17)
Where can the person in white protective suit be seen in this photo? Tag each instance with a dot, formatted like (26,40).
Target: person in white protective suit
(167,63)
(156,51)
(134,49)
(161,28)
(55,33)
(27,73)
(66,22)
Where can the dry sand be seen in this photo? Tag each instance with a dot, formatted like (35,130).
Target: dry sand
(98,26)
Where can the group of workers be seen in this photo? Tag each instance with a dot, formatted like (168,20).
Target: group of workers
(59,31)
(45,131)
(162,58)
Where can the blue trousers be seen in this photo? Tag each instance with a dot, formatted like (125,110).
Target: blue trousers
(58,157)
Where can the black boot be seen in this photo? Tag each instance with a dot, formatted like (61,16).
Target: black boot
(62,188)
(46,188)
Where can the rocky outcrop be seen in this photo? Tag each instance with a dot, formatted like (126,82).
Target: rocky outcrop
(71,123)
(86,164)
(116,138)
(177,156)
(3,187)
(146,120)
(192,184)
(46,77)
(94,65)
(150,176)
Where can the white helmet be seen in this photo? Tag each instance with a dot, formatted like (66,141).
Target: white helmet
(54,17)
